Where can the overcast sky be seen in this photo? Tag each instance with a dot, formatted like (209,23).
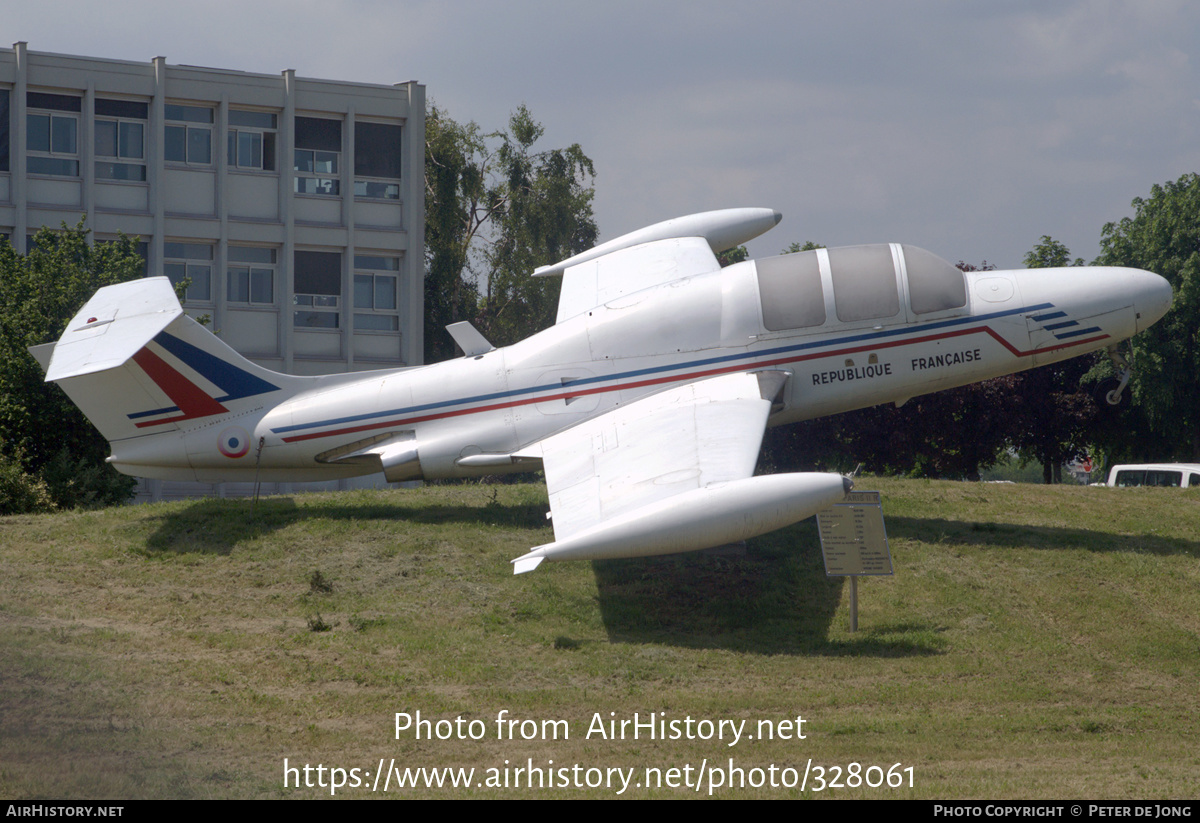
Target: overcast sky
(969,128)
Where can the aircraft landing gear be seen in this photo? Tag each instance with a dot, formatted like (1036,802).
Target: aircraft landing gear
(1114,396)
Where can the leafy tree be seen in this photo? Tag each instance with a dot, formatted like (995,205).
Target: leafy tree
(545,215)
(952,434)
(21,493)
(458,204)
(40,429)
(1163,236)
(808,245)
(1053,411)
(1054,414)
(1050,254)
(496,209)
(738,254)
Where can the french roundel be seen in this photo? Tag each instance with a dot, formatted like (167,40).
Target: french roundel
(234,442)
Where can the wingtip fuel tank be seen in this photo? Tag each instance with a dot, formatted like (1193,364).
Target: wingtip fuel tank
(722,229)
(714,515)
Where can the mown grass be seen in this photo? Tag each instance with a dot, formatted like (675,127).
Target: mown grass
(1034,642)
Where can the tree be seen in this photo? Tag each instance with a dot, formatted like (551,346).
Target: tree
(457,205)
(808,245)
(1163,236)
(1053,415)
(40,428)
(1050,254)
(545,215)
(496,209)
(738,254)
(1053,410)
(950,434)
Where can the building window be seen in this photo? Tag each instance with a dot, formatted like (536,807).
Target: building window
(378,189)
(187,136)
(376,160)
(317,289)
(193,262)
(52,134)
(318,155)
(251,275)
(251,140)
(3,129)
(376,307)
(120,139)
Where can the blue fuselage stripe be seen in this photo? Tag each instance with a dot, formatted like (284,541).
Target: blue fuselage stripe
(692,364)
(1076,332)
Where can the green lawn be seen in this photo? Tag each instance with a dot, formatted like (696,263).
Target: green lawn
(1034,643)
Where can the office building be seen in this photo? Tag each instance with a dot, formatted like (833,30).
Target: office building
(294,207)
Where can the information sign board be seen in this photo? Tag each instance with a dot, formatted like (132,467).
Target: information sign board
(853,538)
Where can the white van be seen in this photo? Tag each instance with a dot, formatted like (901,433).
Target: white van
(1178,475)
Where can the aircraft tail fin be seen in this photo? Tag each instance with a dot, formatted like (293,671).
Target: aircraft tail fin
(135,364)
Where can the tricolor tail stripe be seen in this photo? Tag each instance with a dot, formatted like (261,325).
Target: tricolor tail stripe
(235,382)
(189,398)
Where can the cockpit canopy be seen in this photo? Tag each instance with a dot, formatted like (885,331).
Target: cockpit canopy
(866,283)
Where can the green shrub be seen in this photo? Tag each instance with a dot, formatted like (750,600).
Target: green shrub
(21,493)
(80,483)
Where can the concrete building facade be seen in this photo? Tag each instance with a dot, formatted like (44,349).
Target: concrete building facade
(294,206)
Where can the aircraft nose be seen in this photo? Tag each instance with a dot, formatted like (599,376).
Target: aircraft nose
(1153,298)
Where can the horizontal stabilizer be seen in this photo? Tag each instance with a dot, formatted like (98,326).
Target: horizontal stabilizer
(117,322)
(42,354)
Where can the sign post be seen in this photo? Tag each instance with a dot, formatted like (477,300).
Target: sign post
(854,542)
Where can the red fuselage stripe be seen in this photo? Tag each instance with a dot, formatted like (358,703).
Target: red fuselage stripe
(676,378)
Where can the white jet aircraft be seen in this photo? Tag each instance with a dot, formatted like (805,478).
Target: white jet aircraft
(645,403)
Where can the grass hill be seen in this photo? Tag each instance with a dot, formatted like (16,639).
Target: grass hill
(1034,643)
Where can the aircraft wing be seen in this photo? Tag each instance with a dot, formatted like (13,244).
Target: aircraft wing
(671,442)
(653,255)
(597,281)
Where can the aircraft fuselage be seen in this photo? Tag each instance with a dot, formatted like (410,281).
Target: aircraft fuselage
(842,351)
